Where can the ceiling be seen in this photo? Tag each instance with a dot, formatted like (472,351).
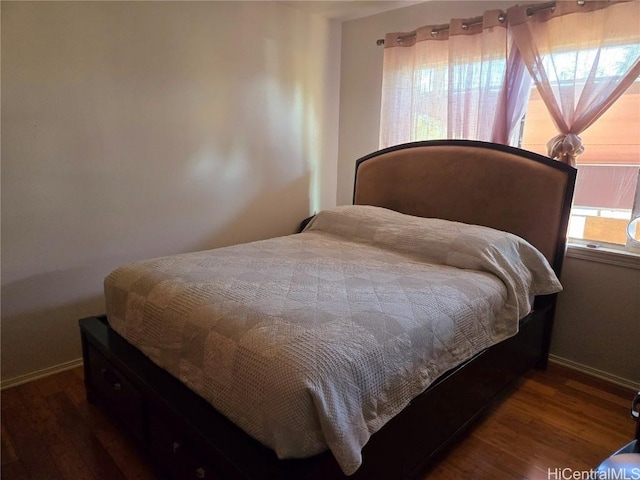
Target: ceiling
(349,9)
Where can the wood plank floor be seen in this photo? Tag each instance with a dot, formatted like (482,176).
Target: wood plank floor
(553,419)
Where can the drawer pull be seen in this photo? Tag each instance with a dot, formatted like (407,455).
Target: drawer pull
(111,379)
(175,446)
(201,473)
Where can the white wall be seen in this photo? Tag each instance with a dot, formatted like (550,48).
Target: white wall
(598,320)
(137,129)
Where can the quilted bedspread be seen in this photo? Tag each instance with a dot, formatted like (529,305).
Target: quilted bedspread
(315,340)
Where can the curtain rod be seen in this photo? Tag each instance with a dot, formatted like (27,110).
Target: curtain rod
(435,31)
(545,6)
(465,26)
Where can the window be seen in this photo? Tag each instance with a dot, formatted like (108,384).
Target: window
(583,62)
(608,170)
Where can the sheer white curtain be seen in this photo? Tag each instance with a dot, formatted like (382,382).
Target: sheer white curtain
(414,86)
(582,58)
(461,80)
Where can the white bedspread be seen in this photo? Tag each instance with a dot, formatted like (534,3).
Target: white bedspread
(316,340)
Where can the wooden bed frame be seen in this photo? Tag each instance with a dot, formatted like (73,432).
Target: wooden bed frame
(472,182)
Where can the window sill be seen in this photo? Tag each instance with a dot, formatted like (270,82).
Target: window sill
(603,254)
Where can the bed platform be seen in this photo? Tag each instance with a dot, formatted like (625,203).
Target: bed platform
(464,181)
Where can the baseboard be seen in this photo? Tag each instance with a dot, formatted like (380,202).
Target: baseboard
(29,377)
(594,372)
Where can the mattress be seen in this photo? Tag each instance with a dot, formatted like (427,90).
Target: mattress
(314,341)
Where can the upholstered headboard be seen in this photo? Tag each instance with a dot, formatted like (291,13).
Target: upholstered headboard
(488,184)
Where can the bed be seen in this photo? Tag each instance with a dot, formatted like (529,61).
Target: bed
(321,351)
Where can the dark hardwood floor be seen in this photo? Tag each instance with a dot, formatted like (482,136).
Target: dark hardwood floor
(558,418)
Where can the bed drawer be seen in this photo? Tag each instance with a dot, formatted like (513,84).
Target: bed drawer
(116,392)
(175,454)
